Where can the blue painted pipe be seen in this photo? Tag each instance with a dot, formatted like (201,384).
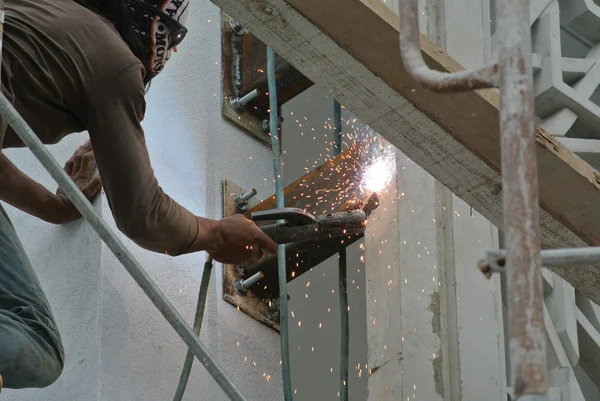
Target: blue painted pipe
(343,287)
(283,296)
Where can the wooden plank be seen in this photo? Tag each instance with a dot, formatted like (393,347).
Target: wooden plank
(350,48)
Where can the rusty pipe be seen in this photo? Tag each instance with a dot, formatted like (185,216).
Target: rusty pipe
(527,337)
(410,51)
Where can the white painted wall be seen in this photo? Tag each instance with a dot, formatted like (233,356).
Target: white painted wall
(67,262)
(314,295)
(118,346)
(438,334)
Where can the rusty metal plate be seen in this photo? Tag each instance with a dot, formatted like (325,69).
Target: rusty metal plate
(252,303)
(332,187)
(242,75)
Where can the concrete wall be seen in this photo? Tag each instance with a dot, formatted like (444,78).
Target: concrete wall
(118,346)
(435,324)
(315,350)
(67,262)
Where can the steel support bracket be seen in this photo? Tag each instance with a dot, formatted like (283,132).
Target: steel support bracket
(244,80)
(322,184)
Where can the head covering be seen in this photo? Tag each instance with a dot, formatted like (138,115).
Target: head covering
(161,26)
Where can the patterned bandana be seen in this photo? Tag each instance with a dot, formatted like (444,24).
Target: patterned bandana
(160,23)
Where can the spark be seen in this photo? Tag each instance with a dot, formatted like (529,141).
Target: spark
(378,175)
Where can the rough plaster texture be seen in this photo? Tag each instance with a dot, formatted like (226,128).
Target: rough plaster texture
(118,346)
(67,262)
(441,301)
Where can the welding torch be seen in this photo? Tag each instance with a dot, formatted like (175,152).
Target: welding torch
(296,225)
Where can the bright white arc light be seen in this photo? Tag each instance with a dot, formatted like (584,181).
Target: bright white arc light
(378,175)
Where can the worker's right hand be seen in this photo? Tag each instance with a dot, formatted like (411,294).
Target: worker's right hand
(237,239)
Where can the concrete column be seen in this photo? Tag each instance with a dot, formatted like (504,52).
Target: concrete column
(434,322)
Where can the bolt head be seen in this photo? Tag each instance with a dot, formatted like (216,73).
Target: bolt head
(239,288)
(272,309)
(236,26)
(241,205)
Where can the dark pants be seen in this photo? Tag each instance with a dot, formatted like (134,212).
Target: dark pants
(31,352)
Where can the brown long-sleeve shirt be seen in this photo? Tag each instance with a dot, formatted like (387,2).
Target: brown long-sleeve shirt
(67,70)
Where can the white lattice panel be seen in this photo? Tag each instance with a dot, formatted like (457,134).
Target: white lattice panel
(573,342)
(566,54)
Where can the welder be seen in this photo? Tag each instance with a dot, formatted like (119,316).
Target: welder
(84,65)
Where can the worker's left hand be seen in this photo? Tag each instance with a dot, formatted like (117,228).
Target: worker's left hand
(80,168)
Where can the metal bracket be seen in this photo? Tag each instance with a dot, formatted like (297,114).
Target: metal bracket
(242,289)
(244,84)
(494,262)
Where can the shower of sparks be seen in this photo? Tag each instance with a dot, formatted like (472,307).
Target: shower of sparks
(379,174)
(368,167)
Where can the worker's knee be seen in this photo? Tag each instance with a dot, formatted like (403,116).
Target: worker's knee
(53,371)
(30,356)
(52,357)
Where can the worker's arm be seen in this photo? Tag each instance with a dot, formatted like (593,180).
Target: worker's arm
(141,208)
(20,191)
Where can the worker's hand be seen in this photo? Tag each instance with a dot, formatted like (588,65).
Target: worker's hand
(237,239)
(79,167)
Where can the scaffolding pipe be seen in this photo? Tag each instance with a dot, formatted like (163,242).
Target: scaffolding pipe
(337,126)
(111,240)
(410,51)
(514,74)
(342,269)
(189,358)
(527,334)
(557,258)
(282,270)
(345,326)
